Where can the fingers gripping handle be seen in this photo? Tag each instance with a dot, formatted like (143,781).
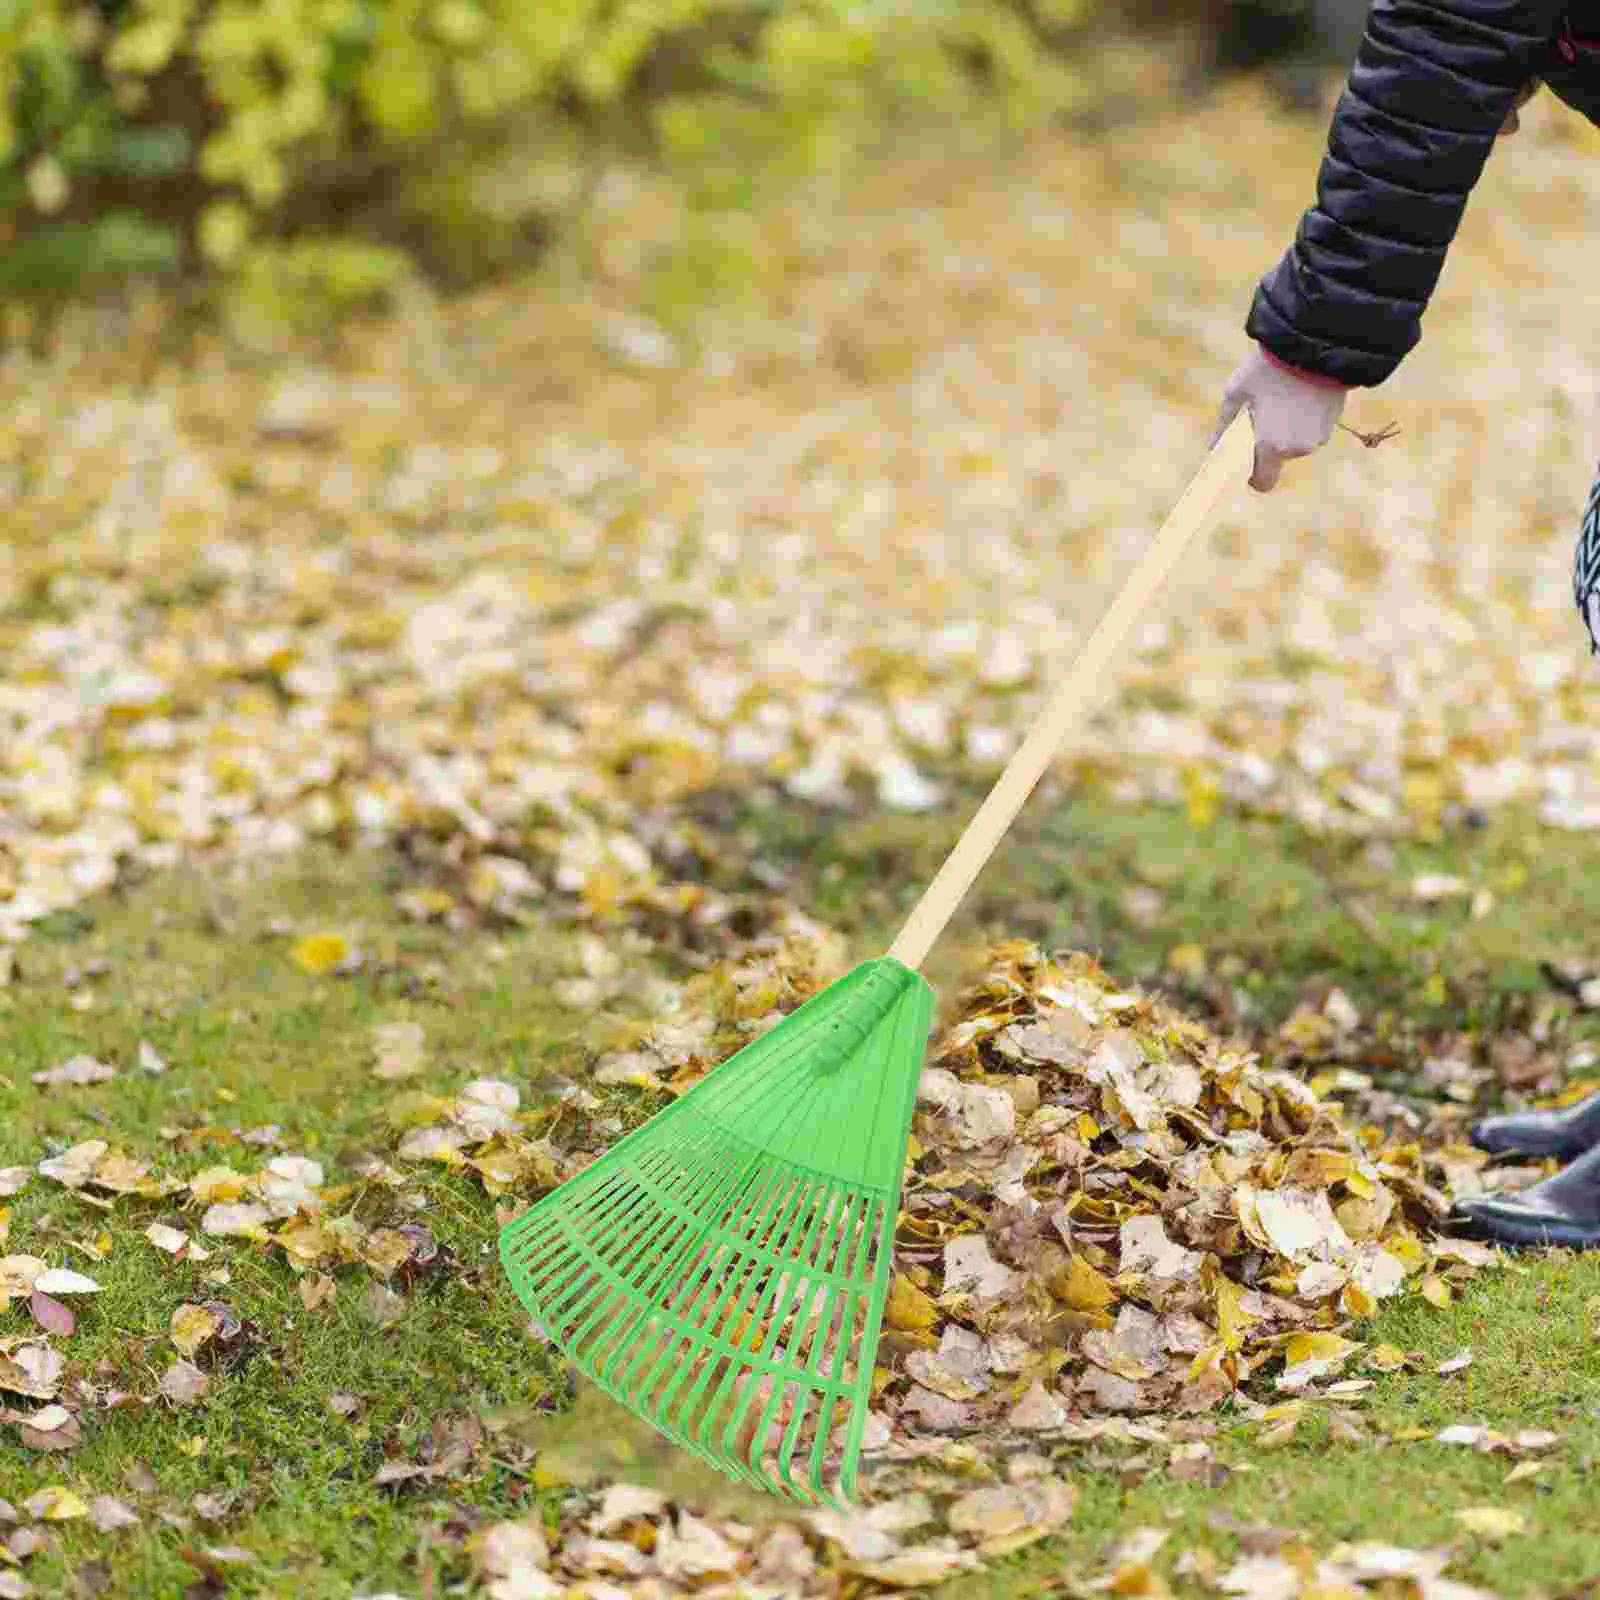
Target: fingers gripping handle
(1231,459)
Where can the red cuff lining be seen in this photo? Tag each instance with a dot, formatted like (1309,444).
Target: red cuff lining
(1300,372)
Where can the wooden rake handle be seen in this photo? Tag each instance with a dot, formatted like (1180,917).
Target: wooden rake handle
(1230,459)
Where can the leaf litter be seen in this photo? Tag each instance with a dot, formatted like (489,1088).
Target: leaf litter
(1113,1223)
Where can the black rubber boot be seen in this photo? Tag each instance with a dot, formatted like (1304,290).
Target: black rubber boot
(1563,1210)
(1564,1134)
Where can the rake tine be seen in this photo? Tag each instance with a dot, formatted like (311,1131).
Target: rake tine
(712,1269)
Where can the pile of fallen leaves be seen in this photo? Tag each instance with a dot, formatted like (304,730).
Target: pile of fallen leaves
(1112,1223)
(1109,1210)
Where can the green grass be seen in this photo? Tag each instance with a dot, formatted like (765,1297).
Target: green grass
(199,967)
(1278,910)
(251,1040)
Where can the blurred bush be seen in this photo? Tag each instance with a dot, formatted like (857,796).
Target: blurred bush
(302,156)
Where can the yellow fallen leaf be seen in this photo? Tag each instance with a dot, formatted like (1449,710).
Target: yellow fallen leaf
(1317,1347)
(1288,1409)
(1200,797)
(1082,1287)
(319,953)
(1406,1248)
(216,1185)
(1387,1358)
(190,1327)
(57,1503)
(1355,1301)
(1188,961)
(1136,1578)
(414,1110)
(1436,1291)
(908,1309)
(1277,1433)
(424,905)
(1232,1318)
(1492,1522)
(305,1241)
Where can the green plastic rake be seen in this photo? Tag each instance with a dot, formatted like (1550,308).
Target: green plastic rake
(723,1270)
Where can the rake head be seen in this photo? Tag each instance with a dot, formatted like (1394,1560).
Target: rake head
(722,1271)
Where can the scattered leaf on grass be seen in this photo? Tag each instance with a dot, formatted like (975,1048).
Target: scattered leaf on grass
(77,1072)
(1493,1523)
(191,1326)
(381,1306)
(184,1383)
(109,1513)
(246,1221)
(175,1242)
(62,1280)
(19,1273)
(218,1185)
(1436,1291)
(320,953)
(229,1555)
(57,1503)
(50,1314)
(34,1370)
(74,1167)
(52,1428)
(917,1568)
(317,1289)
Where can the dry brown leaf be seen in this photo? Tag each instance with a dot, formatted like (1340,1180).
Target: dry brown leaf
(184,1384)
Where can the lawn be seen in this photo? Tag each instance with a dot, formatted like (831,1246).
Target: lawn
(306,1403)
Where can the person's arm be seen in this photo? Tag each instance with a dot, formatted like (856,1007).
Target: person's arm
(1432,84)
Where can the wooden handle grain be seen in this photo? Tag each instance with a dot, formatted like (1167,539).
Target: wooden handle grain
(1230,460)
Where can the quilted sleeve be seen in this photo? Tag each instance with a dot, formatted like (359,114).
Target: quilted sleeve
(1431,85)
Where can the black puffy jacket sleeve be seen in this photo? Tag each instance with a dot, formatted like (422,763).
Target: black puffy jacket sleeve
(1431,85)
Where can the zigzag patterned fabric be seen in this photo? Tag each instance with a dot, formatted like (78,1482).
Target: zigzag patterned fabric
(1586,569)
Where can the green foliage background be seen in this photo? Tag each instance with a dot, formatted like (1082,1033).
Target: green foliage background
(299,156)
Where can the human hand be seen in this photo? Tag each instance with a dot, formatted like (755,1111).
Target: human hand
(1291,415)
